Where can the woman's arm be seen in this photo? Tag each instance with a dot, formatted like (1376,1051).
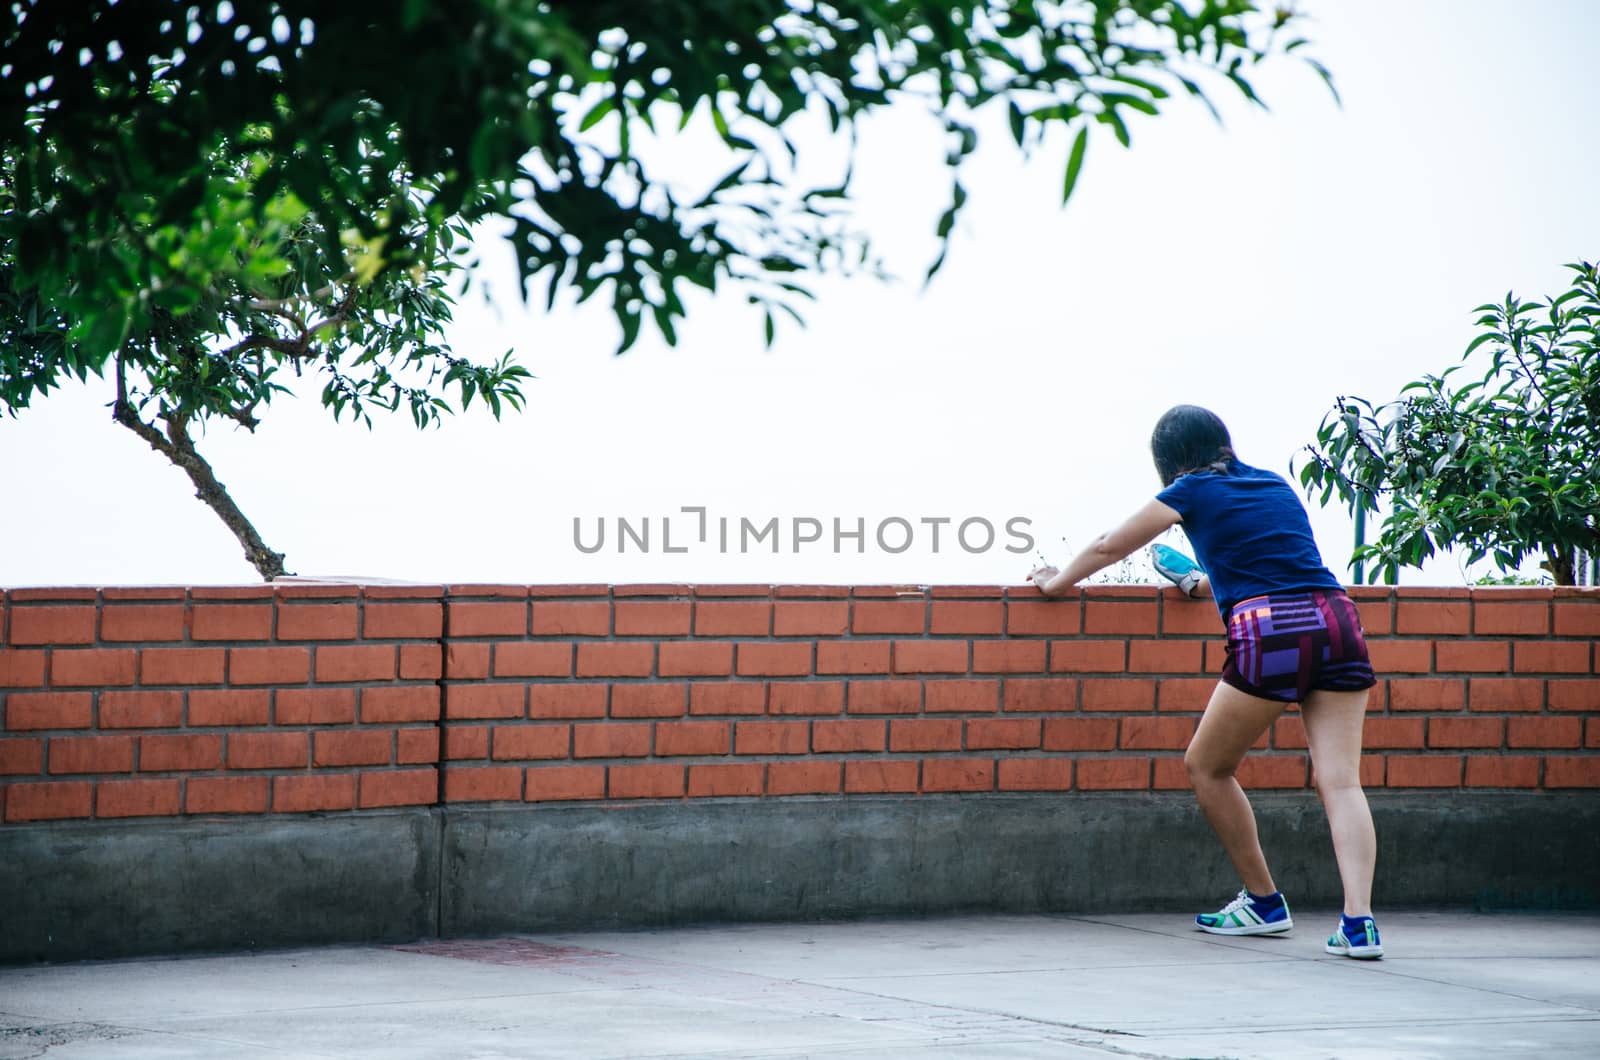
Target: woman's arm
(1143,527)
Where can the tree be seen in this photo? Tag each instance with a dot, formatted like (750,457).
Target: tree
(1504,465)
(202,196)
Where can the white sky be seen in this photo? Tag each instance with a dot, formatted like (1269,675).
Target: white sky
(1260,268)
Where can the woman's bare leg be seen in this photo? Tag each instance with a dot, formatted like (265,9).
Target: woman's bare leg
(1232,722)
(1333,733)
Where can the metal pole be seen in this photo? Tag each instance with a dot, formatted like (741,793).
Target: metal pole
(1361,537)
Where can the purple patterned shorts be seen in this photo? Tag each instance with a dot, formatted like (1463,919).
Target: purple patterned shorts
(1284,645)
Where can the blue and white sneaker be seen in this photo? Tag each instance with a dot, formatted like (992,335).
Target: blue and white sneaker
(1177,568)
(1248,915)
(1356,936)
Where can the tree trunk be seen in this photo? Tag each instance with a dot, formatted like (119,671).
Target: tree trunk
(177,446)
(1560,562)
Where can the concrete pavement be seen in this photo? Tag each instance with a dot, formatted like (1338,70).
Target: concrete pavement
(1136,985)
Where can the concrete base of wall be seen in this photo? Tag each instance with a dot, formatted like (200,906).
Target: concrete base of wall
(77,890)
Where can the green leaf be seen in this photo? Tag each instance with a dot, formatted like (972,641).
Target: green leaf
(1074,163)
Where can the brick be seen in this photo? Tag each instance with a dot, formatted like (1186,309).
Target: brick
(849,735)
(421,662)
(360,662)
(483,784)
(1577,619)
(1165,656)
(1515,620)
(610,740)
(564,783)
(142,622)
(317,621)
(466,661)
(1216,656)
(803,778)
(1184,693)
(652,700)
(1437,694)
(1591,733)
(1465,732)
(184,753)
(51,625)
(930,657)
(314,706)
(645,782)
(809,618)
(399,703)
(583,618)
(414,745)
(1505,694)
(853,657)
(654,618)
(532,741)
(772,737)
(49,801)
(20,757)
(484,701)
(399,787)
(732,618)
(489,589)
(959,695)
(968,616)
(808,697)
(873,776)
(498,619)
(1502,771)
(650,589)
(1109,693)
(227,795)
(1272,771)
(562,700)
(1026,618)
(466,741)
(1424,771)
(889,616)
(535,659)
(1169,774)
(958,774)
(885,697)
(182,666)
(1552,657)
(1113,774)
(1375,617)
(268,750)
(538,591)
(1013,734)
(269,666)
(1289,733)
(138,798)
(1452,617)
(615,660)
(1107,616)
(1572,771)
(774,660)
(1156,734)
(1373,771)
(1008,656)
(230,707)
(1035,774)
(141,710)
(144,592)
(90,754)
(310,793)
(925,734)
(1544,732)
(1080,734)
(231,622)
(692,737)
(1574,695)
(363,747)
(1181,617)
(1473,656)
(1397,733)
(703,659)
(1040,694)
(49,710)
(21,669)
(93,666)
(735,697)
(399,622)
(1402,656)
(1088,656)
(726,780)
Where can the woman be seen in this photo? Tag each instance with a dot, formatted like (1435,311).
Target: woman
(1293,637)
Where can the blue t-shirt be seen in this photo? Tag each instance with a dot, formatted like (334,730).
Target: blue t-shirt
(1249,532)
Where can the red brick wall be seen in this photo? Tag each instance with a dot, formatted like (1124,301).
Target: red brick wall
(296,698)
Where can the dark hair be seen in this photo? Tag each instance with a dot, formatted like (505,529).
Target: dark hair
(1189,438)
